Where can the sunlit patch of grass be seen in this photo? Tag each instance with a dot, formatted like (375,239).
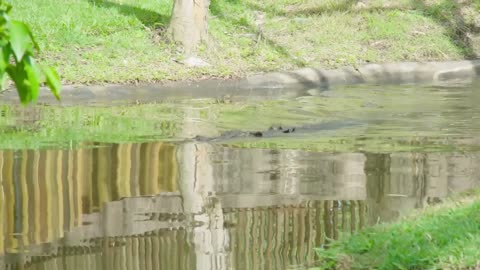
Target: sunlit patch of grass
(446,236)
(99,40)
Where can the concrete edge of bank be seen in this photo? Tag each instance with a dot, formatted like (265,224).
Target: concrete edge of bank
(393,73)
(268,84)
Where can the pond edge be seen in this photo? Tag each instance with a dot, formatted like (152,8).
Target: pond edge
(267,84)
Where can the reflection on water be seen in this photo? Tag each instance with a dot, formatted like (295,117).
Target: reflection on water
(125,187)
(202,206)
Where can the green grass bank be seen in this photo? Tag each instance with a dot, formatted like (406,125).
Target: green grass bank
(446,236)
(124,41)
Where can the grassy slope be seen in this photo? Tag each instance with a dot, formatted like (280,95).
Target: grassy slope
(124,40)
(444,237)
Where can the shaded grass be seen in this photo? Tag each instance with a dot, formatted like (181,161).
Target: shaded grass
(458,25)
(124,40)
(444,237)
(149,15)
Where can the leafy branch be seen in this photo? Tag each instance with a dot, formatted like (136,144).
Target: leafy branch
(17,47)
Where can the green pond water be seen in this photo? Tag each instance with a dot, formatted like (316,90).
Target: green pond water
(185,184)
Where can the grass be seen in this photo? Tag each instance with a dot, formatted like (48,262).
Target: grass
(124,41)
(446,236)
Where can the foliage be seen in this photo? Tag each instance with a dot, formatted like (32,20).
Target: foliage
(17,47)
(444,237)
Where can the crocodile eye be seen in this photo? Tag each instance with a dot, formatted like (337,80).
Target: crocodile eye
(257,134)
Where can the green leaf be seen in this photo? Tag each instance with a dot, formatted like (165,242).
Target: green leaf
(33,77)
(53,81)
(5,7)
(3,81)
(18,75)
(26,77)
(3,19)
(32,39)
(5,53)
(19,39)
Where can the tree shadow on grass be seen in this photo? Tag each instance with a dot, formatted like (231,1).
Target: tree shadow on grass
(147,17)
(340,6)
(448,14)
(216,11)
(344,5)
(252,7)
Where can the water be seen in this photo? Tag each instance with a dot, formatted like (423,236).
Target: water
(127,187)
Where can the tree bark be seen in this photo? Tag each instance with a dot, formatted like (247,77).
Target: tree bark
(189,23)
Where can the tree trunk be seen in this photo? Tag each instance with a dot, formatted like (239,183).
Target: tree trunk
(188,25)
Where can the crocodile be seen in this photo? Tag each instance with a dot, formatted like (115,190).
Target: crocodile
(278,131)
